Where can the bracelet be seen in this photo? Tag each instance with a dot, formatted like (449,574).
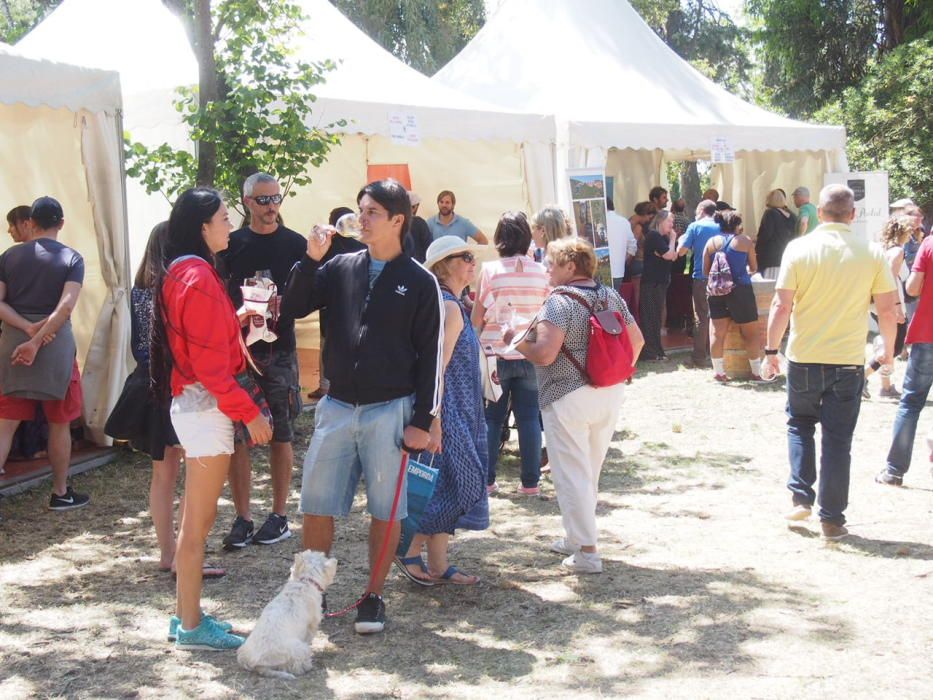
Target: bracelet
(769,352)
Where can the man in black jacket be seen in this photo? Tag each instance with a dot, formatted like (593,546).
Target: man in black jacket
(383,361)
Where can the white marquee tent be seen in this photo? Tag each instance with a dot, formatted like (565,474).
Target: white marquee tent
(60,134)
(622,97)
(466,145)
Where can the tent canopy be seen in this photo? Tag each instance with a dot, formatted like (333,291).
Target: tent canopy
(42,83)
(148,46)
(60,133)
(614,82)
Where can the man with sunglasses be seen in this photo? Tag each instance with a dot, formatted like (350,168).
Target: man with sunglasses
(266,247)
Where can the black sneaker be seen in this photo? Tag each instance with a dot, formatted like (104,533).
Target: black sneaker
(69,501)
(275,529)
(241,534)
(371,615)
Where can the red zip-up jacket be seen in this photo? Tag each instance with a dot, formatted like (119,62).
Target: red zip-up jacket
(204,336)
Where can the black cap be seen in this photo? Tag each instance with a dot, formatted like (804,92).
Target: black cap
(724,206)
(47,212)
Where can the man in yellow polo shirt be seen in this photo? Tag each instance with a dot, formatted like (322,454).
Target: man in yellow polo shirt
(826,283)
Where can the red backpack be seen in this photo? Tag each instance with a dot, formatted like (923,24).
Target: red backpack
(610,359)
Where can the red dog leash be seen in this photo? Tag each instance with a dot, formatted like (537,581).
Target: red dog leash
(385,542)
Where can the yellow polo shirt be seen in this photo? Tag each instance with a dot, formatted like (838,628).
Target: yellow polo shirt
(833,276)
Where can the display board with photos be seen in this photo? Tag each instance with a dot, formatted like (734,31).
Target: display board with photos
(588,200)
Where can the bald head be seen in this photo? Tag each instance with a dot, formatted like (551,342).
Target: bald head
(837,204)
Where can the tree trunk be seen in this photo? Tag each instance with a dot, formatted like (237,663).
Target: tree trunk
(892,19)
(690,186)
(208,88)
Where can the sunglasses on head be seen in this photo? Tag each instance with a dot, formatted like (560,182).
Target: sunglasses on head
(466,257)
(266,199)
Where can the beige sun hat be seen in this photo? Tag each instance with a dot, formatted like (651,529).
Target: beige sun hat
(444,247)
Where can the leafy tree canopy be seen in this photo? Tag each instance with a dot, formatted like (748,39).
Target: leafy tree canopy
(250,110)
(701,33)
(812,50)
(425,34)
(17,17)
(888,123)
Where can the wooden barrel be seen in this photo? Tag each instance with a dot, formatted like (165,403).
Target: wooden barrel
(734,356)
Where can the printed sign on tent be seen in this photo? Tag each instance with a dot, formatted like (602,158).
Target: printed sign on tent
(403,129)
(588,198)
(871,200)
(721,151)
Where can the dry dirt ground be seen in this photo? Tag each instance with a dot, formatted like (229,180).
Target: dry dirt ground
(705,594)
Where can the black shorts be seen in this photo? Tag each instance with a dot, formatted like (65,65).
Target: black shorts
(280,386)
(739,305)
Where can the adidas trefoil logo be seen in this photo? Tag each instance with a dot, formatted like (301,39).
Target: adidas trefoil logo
(401,290)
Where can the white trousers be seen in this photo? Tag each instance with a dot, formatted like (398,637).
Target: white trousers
(579,428)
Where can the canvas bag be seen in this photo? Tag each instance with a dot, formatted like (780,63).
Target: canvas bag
(421,481)
(720,282)
(610,359)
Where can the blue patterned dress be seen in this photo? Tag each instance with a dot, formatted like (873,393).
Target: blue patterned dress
(459,498)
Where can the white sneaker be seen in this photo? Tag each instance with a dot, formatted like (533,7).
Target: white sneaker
(562,546)
(584,563)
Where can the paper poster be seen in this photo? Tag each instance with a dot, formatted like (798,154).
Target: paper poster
(871,200)
(721,150)
(403,129)
(588,198)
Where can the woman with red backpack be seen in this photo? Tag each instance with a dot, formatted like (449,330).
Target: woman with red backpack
(728,263)
(579,406)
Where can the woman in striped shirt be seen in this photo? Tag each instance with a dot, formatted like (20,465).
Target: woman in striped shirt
(511,291)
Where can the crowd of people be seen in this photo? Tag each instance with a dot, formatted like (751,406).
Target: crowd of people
(410,327)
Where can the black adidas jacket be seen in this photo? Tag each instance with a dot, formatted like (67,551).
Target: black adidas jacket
(381,344)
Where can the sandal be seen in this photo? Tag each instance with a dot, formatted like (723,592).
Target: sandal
(448,577)
(404,562)
(207,571)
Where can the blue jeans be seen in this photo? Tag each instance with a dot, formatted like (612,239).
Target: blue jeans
(517,379)
(831,396)
(917,384)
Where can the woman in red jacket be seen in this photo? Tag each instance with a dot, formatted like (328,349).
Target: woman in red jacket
(196,344)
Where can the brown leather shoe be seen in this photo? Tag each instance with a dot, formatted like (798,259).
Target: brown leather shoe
(831,531)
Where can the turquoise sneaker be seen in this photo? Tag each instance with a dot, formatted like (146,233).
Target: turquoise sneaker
(208,636)
(173,623)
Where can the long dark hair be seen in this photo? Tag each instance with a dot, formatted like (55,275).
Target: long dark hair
(149,266)
(193,209)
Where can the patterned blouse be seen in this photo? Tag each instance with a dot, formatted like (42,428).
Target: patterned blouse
(141,323)
(561,377)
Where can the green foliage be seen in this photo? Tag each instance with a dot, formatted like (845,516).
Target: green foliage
(425,34)
(699,32)
(259,120)
(17,17)
(888,123)
(812,50)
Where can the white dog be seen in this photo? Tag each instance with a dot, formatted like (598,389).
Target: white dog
(280,644)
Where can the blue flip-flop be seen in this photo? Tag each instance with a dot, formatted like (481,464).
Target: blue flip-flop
(447,577)
(404,562)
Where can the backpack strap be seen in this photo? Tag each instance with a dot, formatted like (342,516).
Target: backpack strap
(563,347)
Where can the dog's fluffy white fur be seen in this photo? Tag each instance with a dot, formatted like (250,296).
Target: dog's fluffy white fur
(280,644)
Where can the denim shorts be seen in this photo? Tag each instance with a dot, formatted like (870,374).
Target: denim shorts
(350,441)
(202,429)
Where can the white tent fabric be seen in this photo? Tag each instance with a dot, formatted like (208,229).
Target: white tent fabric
(613,84)
(148,46)
(466,145)
(61,135)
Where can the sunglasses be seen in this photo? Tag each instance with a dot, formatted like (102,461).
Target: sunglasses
(266,199)
(466,257)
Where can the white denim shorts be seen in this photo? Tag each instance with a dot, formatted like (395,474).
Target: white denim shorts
(202,429)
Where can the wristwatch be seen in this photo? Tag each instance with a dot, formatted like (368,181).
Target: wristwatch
(769,351)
